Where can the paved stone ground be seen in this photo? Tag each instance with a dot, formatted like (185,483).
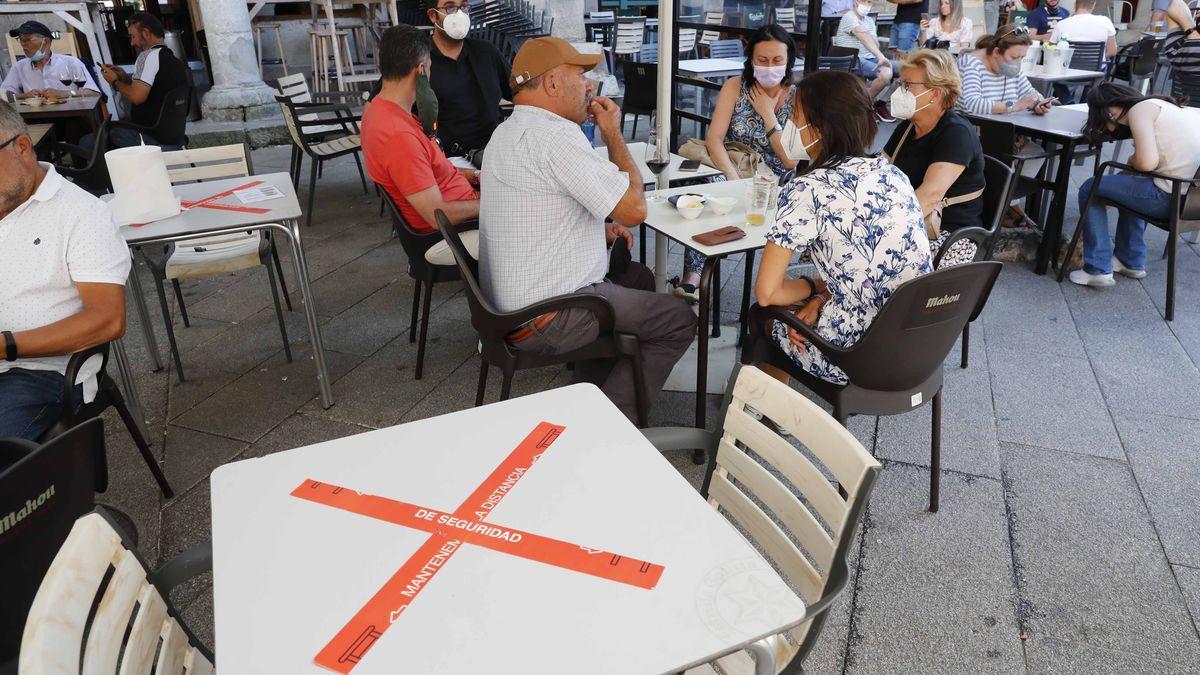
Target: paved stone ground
(1068,538)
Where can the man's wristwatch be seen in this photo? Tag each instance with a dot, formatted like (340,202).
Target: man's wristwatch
(10,346)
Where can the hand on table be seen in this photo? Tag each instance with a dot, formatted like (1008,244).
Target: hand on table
(614,230)
(1044,105)
(1027,101)
(607,114)
(31,93)
(56,93)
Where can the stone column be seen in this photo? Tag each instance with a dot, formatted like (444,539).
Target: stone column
(568,18)
(238,92)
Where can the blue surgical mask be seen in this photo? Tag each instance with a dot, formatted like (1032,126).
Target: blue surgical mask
(38,55)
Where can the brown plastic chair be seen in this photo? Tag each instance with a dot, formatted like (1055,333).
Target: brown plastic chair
(897,365)
(494,326)
(1184,217)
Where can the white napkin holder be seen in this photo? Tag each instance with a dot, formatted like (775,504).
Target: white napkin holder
(141,185)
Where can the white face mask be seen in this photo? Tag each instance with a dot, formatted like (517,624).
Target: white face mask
(862,10)
(769,76)
(456,25)
(904,103)
(793,144)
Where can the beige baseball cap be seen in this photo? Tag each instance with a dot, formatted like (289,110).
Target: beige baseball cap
(541,55)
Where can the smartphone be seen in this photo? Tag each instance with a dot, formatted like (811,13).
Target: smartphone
(689,165)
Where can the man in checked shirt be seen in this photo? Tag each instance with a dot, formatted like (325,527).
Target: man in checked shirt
(544,200)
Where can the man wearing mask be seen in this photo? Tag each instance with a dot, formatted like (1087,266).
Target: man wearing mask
(156,73)
(469,77)
(399,154)
(1041,21)
(42,71)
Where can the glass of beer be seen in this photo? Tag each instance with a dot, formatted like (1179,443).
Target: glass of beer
(758,199)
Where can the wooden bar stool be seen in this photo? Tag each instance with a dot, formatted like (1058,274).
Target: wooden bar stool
(259,27)
(320,49)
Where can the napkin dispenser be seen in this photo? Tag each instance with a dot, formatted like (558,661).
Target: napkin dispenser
(142,187)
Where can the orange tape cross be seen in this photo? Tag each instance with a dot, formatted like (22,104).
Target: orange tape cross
(448,532)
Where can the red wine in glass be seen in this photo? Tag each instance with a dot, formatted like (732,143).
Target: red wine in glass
(656,165)
(66,82)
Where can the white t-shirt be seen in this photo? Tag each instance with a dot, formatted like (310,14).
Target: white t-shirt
(59,237)
(1084,28)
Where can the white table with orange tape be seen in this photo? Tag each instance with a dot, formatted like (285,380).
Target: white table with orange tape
(542,534)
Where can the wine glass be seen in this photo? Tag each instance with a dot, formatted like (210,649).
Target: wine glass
(656,164)
(80,80)
(66,77)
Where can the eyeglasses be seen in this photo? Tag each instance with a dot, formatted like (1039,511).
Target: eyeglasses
(907,86)
(455,9)
(1015,30)
(7,143)
(28,40)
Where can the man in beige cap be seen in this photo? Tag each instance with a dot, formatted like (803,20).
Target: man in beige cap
(545,196)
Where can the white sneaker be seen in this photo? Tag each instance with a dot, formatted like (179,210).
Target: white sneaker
(1120,268)
(1094,280)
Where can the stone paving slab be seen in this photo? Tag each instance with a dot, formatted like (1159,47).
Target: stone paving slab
(1090,567)
(1026,311)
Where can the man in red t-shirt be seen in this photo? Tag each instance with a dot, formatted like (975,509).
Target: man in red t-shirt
(400,157)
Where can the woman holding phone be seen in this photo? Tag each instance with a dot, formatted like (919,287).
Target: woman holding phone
(992,81)
(950,26)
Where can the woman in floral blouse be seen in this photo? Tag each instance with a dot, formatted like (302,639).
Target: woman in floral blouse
(856,215)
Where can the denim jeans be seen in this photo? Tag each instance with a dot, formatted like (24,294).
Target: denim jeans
(1136,192)
(30,402)
(904,36)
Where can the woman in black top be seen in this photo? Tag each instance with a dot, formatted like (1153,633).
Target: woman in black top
(941,154)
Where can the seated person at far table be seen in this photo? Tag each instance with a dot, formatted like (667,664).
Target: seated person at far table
(156,73)
(1184,55)
(63,267)
(1174,13)
(41,72)
(857,30)
(938,149)
(1087,26)
(1041,21)
(992,81)
(469,76)
(401,158)
(546,194)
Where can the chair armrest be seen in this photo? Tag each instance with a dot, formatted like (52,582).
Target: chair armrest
(806,331)
(1152,174)
(187,565)
(597,305)
(356,96)
(680,438)
(72,374)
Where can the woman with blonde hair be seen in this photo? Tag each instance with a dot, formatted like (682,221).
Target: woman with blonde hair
(951,27)
(937,148)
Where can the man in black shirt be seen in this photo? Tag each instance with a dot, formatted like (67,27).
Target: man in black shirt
(156,74)
(469,77)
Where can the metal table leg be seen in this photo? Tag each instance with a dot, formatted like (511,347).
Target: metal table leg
(1052,231)
(292,232)
(139,301)
(706,274)
(129,385)
(747,281)
(660,262)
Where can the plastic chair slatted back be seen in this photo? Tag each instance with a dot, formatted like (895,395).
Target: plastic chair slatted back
(1087,55)
(631,34)
(810,526)
(214,163)
(727,49)
(712,19)
(786,18)
(58,621)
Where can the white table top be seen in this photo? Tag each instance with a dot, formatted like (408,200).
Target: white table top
(1039,73)
(662,216)
(710,67)
(290,573)
(200,220)
(638,150)
(1063,121)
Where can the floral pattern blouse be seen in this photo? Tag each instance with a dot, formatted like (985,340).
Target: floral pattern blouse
(746,126)
(862,226)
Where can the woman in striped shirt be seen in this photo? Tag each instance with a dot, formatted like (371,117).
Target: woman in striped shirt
(992,81)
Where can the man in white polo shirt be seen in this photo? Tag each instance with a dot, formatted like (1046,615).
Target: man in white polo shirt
(545,195)
(63,267)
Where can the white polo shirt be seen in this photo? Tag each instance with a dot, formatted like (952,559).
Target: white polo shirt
(59,237)
(544,196)
(25,78)
(1084,28)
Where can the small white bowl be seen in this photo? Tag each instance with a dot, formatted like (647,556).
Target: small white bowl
(722,205)
(690,207)
(35,101)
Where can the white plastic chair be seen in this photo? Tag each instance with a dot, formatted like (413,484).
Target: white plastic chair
(786,18)
(803,526)
(58,635)
(711,19)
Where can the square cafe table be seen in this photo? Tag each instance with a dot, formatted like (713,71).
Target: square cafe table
(663,218)
(623,566)
(282,216)
(86,108)
(1061,127)
(1041,81)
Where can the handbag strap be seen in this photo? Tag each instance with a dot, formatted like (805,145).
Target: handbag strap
(903,137)
(961,199)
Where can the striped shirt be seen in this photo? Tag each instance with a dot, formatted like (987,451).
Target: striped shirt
(1184,56)
(845,37)
(982,90)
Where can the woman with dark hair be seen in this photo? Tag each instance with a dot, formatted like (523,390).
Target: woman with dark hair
(1166,141)
(854,214)
(992,81)
(751,109)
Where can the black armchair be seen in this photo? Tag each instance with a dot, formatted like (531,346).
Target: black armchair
(1184,216)
(320,147)
(169,129)
(494,328)
(88,169)
(897,364)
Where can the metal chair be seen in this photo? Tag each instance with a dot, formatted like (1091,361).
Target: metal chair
(212,255)
(1088,55)
(1137,63)
(320,147)
(133,624)
(727,49)
(784,498)
(1184,217)
(426,268)
(108,395)
(629,34)
(494,328)
(90,171)
(52,485)
(997,193)
(897,364)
